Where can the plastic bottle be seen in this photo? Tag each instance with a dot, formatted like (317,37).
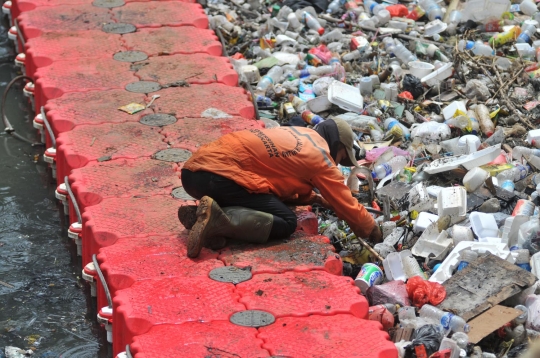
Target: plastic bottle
(416,13)
(334,35)
(448,320)
(316,71)
(383,16)
(293,21)
(528,7)
(467,256)
(402,53)
(263,101)
(433,10)
(334,7)
(393,126)
(518,152)
(518,172)
(461,338)
(527,31)
(465,45)
(475,126)
(311,118)
(270,78)
(505,37)
(389,45)
(492,26)
(312,22)
(393,166)
(533,138)
(521,319)
(453,21)
(481,49)
(373,7)
(486,124)
(508,185)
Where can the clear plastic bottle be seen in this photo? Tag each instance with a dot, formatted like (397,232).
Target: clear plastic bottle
(294,23)
(475,126)
(486,124)
(334,35)
(505,37)
(448,320)
(453,21)
(373,7)
(467,256)
(393,166)
(389,45)
(402,53)
(316,71)
(482,49)
(518,152)
(461,338)
(334,7)
(432,8)
(527,31)
(311,22)
(270,78)
(383,16)
(393,126)
(465,45)
(521,319)
(518,172)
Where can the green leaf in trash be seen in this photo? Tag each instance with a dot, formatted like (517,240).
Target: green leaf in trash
(268,62)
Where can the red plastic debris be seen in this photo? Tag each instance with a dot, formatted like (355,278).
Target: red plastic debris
(398,10)
(405,95)
(380,313)
(422,291)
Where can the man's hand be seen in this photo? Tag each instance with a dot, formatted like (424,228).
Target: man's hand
(318,199)
(376,234)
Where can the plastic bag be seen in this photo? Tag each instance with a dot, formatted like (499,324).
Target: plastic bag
(413,85)
(393,292)
(422,291)
(476,88)
(429,336)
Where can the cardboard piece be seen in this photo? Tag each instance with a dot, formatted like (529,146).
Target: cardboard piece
(483,284)
(490,321)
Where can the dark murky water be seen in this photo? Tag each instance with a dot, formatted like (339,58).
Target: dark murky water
(43,302)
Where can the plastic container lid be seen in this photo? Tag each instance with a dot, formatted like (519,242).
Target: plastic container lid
(435,77)
(345,96)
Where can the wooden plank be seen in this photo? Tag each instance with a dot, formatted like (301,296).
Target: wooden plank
(483,284)
(491,320)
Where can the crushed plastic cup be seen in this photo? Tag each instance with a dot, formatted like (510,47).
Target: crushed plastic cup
(420,69)
(474,179)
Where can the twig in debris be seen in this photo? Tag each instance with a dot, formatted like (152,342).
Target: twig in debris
(6,284)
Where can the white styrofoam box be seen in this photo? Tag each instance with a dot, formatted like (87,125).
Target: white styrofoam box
(444,272)
(484,225)
(345,96)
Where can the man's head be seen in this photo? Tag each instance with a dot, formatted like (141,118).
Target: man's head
(340,138)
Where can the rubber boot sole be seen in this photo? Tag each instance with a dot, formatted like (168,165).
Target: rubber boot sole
(187,215)
(198,231)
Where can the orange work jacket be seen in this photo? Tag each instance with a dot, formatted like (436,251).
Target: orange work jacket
(287,162)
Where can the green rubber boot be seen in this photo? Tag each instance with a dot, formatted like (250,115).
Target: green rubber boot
(233,222)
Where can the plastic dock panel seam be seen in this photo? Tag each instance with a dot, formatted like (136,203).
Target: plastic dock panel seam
(172,301)
(173,40)
(302,294)
(104,142)
(42,51)
(161,13)
(155,257)
(193,101)
(198,68)
(207,339)
(327,336)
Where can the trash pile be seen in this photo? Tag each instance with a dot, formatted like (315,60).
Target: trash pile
(444,100)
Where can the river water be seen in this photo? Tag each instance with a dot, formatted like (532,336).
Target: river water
(44,304)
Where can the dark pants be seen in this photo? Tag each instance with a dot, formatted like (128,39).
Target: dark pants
(227,193)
